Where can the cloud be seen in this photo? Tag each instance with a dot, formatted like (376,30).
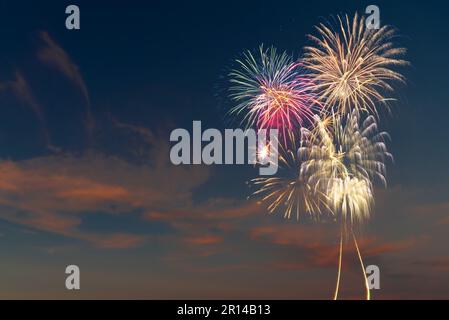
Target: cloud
(54,55)
(212,210)
(438,263)
(53,193)
(115,241)
(206,223)
(205,240)
(319,245)
(439,210)
(22,90)
(219,235)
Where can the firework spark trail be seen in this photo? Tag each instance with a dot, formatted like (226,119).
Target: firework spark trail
(341,159)
(351,197)
(288,192)
(351,65)
(359,255)
(270,92)
(368,294)
(337,287)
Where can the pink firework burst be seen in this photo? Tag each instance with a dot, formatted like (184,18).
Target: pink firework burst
(271,92)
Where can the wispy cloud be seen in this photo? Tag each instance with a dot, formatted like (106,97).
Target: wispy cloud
(23,92)
(54,55)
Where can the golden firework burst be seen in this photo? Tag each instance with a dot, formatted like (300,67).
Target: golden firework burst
(352,66)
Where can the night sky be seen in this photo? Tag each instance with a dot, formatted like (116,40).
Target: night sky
(85,176)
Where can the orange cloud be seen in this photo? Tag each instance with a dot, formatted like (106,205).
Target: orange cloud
(214,209)
(204,240)
(116,241)
(52,192)
(296,234)
(96,192)
(319,244)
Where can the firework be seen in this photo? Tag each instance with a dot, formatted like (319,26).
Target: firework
(353,198)
(270,92)
(351,65)
(341,159)
(331,170)
(330,160)
(341,154)
(288,192)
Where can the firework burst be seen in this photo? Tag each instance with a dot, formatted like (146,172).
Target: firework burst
(353,198)
(330,172)
(288,192)
(351,65)
(270,92)
(341,157)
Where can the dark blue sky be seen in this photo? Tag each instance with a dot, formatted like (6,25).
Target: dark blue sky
(151,63)
(149,66)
